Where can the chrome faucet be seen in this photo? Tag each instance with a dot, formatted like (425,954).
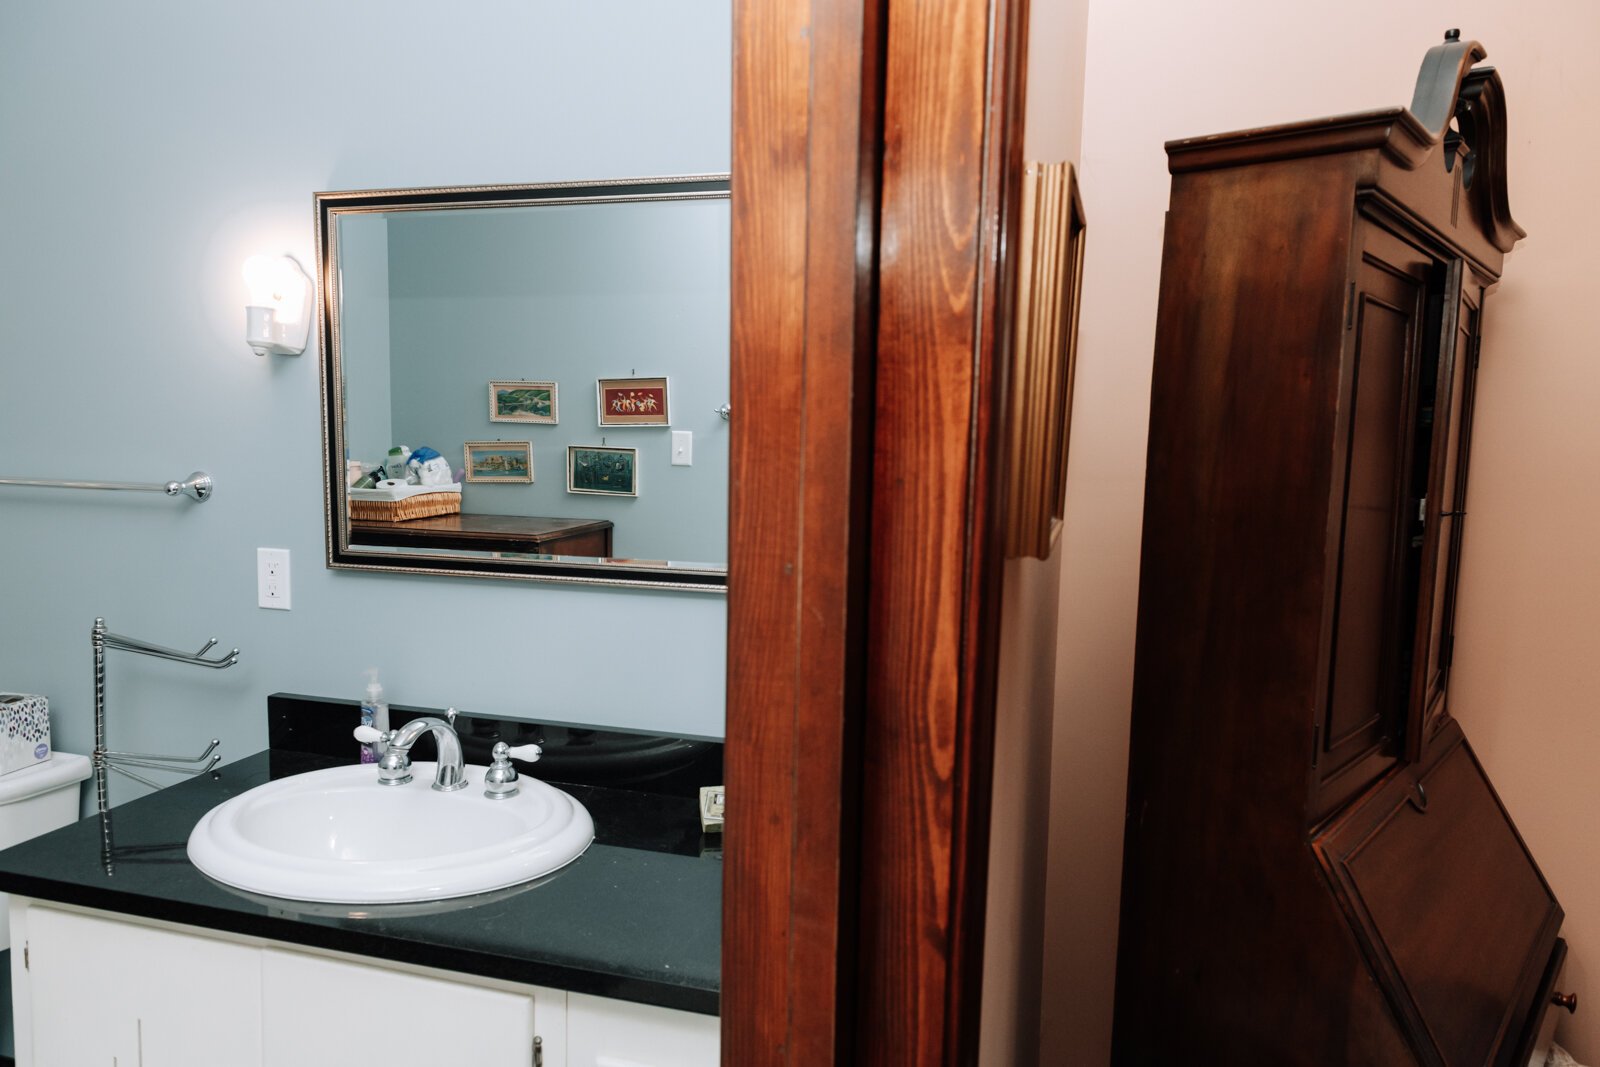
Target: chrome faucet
(395,766)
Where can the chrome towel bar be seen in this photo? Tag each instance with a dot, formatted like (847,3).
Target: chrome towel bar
(197,486)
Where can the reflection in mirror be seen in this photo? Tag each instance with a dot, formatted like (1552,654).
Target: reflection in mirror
(525,381)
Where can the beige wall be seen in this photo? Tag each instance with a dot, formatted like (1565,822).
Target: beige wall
(1013,947)
(1526,654)
(1013,962)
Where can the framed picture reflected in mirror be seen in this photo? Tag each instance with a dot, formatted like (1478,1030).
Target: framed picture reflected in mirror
(633,402)
(499,461)
(522,401)
(602,470)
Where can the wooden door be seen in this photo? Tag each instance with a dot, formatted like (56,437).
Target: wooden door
(877,160)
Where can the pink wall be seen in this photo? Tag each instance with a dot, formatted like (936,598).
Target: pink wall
(1013,945)
(1527,654)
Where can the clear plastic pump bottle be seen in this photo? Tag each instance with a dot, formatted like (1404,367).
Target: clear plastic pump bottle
(374,713)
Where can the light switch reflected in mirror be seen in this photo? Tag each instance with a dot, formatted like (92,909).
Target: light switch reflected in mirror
(505,371)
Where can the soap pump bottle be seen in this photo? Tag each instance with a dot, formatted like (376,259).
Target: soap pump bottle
(374,713)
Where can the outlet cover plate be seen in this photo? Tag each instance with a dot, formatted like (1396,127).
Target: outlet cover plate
(711,804)
(272,578)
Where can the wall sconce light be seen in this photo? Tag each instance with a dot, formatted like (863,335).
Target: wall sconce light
(278,317)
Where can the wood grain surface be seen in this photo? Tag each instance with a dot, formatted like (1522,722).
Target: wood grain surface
(804,225)
(951,183)
(876,162)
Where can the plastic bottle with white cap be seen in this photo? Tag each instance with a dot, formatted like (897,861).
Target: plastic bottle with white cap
(374,713)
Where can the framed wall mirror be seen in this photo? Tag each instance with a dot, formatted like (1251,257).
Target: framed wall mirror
(528,381)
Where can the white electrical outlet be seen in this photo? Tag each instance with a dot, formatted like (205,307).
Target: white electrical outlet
(272,578)
(712,798)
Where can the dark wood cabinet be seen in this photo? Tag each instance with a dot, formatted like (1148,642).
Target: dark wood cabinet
(496,533)
(1316,868)
(1447,905)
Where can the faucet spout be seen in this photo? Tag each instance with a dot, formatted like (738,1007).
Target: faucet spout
(395,767)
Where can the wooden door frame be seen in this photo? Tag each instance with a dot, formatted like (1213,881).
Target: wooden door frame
(876,165)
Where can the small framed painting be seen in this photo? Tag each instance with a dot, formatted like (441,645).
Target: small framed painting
(633,402)
(523,402)
(606,471)
(499,461)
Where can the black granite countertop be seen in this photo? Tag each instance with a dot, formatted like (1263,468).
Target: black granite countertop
(637,917)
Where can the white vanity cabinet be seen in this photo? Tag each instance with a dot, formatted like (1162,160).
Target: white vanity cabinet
(91,991)
(615,1033)
(94,989)
(318,1011)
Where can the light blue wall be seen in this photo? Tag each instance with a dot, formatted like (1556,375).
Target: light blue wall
(364,356)
(145,151)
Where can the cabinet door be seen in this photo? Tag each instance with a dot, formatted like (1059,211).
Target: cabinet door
(1445,511)
(616,1033)
(1453,915)
(329,1013)
(1364,702)
(107,993)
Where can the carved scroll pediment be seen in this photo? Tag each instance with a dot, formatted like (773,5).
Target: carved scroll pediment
(1462,106)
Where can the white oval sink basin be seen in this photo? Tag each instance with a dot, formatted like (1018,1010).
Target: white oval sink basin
(337,835)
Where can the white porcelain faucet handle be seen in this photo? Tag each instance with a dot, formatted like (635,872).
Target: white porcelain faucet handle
(526,753)
(367,735)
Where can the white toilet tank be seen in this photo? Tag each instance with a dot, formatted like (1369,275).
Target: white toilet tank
(36,800)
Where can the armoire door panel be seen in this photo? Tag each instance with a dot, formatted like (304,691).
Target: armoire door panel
(1452,909)
(1426,540)
(1359,714)
(1451,512)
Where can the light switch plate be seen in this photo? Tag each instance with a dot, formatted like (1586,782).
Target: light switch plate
(683,448)
(711,800)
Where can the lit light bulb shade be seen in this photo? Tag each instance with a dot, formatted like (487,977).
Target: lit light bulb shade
(277,318)
(267,334)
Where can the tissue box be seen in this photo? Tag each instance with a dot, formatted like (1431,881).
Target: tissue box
(24,731)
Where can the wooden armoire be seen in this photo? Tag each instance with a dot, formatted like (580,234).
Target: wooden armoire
(1316,868)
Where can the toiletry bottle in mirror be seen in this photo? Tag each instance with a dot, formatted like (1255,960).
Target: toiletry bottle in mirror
(395,465)
(374,713)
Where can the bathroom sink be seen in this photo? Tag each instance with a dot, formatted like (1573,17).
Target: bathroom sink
(337,835)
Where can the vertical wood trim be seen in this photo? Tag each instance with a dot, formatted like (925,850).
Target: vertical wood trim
(864,566)
(766,353)
(806,97)
(927,316)
(841,287)
(1004,102)
(951,173)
